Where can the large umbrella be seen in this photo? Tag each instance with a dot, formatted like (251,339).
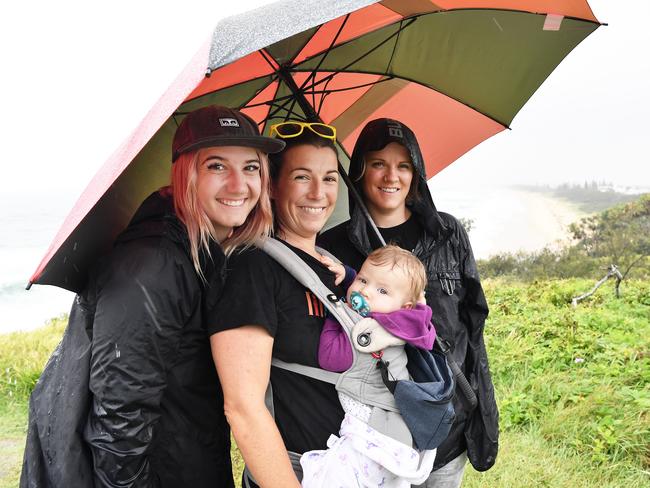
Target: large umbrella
(455,71)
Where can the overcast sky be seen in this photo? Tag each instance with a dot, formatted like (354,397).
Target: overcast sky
(78,76)
(589,119)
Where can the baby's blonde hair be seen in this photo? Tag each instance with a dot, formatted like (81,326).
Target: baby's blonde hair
(395,256)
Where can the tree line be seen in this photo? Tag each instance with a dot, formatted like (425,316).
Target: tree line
(618,236)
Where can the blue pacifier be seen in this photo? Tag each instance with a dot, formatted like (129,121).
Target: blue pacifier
(359,304)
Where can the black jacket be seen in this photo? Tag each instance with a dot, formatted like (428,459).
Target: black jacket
(453,292)
(132,386)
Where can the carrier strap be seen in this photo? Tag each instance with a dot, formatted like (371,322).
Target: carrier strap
(315,373)
(306,276)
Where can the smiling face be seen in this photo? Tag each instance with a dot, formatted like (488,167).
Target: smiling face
(228,185)
(386,182)
(385,287)
(305,192)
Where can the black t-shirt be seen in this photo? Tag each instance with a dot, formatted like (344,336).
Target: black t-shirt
(259,291)
(405,235)
(337,241)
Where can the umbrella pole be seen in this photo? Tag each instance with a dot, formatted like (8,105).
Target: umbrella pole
(312,116)
(362,206)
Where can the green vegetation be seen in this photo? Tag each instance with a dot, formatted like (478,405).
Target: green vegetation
(619,235)
(573,386)
(575,380)
(23,357)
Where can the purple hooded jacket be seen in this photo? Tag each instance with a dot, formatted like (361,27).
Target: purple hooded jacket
(412,325)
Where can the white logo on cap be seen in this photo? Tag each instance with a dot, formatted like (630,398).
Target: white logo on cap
(229,122)
(395,129)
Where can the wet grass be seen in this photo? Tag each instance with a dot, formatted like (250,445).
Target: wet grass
(573,387)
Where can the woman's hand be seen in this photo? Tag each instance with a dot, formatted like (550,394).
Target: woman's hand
(242,357)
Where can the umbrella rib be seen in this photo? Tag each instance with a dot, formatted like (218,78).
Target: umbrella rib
(305,87)
(434,88)
(266,55)
(320,62)
(282,106)
(290,112)
(327,51)
(325,95)
(257,92)
(443,11)
(392,55)
(340,70)
(270,106)
(288,97)
(318,28)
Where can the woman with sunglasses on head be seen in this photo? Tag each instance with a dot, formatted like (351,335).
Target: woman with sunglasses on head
(156,410)
(389,174)
(266,313)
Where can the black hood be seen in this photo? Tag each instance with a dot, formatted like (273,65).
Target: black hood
(156,218)
(376,135)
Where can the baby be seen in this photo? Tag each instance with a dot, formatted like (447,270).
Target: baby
(390,289)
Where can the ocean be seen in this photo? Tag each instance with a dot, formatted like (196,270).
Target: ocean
(28,224)
(504,219)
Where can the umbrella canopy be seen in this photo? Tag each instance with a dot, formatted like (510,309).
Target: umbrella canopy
(455,71)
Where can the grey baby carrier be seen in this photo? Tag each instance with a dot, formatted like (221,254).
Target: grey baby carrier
(415,409)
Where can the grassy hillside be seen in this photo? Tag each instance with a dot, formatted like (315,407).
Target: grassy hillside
(573,386)
(574,383)
(22,358)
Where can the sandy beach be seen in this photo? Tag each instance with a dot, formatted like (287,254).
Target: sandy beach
(545,223)
(510,220)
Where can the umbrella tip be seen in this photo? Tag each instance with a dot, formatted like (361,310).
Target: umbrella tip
(29,285)
(208,72)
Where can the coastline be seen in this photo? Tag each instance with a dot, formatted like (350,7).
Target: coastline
(509,220)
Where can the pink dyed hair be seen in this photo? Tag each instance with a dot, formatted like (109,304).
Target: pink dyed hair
(200,229)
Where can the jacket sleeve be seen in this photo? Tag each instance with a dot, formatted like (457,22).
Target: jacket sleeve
(412,325)
(144,298)
(350,275)
(334,348)
(481,429)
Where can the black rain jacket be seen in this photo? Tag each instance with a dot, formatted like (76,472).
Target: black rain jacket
(132,387)
(453,292)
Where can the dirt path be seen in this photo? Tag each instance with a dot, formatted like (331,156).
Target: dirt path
(11,456)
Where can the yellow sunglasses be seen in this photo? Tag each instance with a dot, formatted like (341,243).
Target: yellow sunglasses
(287,130)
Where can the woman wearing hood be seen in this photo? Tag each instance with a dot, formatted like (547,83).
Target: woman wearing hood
(388,171)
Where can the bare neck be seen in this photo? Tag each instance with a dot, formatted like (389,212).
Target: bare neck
(222,233)
(307,244)
(389,218)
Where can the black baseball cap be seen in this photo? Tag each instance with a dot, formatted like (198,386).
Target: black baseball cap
(215,125)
